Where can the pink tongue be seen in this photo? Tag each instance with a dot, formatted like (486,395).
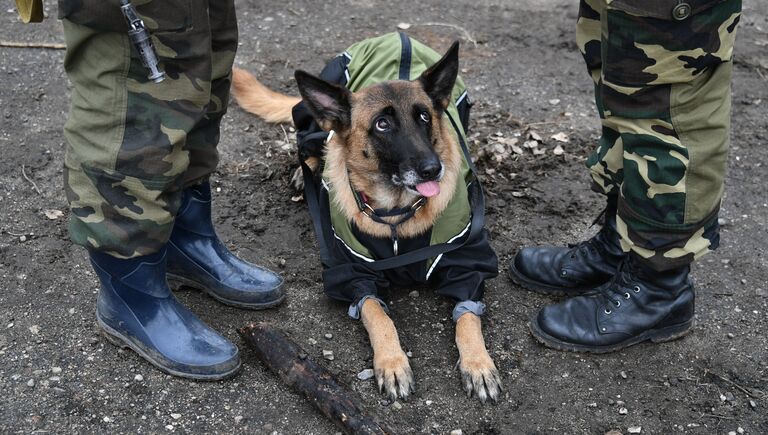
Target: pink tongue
(428,189)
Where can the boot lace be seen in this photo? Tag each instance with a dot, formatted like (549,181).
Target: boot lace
(621,287)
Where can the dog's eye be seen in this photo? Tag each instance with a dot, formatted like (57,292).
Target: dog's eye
(383,124)
(425,117)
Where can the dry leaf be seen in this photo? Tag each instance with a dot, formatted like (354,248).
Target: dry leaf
(53,214)
(560,137)
(535,136)
(404,26)
(509,141)
(558,151)
(297,198)
(539,151)
(554,101)
(516,149)
(530,144)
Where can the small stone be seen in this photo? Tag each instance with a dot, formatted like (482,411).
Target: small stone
(54,379)
(175,416)
(328,336)
(138,378)
(414,294)
(554,101)
(611,401)
(106,419)
(623,374)
(238,419)
(623,411)
(55,370)
(619,403)
(31,383)
(761,292)
(169,426)
(328,354)
(634,429)
(457,432)
(730,335)
(722,398)
(428,402)
(403,26)
(409,354)
(23,238)
(397,405)
(722,221)
(740,430)
(34,329)
(312,341)
(729,397)
(743,281)
(592,405)
(365,374)
(753,404)
(613,432)
(733,432)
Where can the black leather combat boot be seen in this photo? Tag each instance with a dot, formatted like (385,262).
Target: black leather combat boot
(637,305)
(197,258)
(574,269)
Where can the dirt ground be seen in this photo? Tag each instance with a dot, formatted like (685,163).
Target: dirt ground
(525,73)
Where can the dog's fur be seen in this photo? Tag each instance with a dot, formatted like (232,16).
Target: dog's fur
(387,166)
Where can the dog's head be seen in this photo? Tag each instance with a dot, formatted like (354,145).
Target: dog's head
(392,130)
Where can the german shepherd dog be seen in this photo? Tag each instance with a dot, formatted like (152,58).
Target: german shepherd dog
(391,141)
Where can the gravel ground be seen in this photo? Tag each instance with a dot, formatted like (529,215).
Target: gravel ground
(523,69)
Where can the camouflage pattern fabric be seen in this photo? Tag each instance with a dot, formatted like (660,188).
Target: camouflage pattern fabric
(134,145)
(662,74)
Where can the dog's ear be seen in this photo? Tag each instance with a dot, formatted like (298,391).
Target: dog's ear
(439,79)
(330,104)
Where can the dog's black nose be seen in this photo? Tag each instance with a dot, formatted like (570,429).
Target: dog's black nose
(429,169)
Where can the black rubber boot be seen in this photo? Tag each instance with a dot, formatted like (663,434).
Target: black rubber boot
(137,310)
(638,304)
(197,258)
(574,269)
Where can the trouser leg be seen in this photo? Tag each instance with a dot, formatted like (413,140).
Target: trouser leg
(202,141)
(664,100)
(127,151)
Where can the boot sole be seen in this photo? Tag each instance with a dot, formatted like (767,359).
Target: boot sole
(542,288)
(120,340)
(662,335)
(177,281)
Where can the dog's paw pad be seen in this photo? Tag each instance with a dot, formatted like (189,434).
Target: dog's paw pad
(479,376)
(394,375)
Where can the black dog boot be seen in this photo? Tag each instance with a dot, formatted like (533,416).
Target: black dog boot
(136,309)
(197,258)
(571,270)
(637,305)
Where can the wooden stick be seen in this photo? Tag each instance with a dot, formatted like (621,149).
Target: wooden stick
(24,173)
(278,352)
(48,45)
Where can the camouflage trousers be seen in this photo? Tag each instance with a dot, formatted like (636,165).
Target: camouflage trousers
(662,74)
(134,145)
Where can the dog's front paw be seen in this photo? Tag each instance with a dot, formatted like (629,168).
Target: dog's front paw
(479,375)
(394,375)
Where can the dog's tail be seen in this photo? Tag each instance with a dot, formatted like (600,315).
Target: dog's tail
(263,102)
